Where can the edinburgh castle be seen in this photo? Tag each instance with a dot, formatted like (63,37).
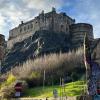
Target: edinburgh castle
(50,32)
(57,22)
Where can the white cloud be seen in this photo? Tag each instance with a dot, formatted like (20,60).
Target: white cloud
(13,11)
(2,20)
(88,11)
(43,4)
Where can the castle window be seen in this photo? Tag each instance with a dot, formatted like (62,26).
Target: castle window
(62,28)
(66,28)
(31,25)
(24,28)
(28,26)
(20,29)
(11,33)
(68,22)
(42,19)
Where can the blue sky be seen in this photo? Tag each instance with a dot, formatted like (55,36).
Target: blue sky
(13,11)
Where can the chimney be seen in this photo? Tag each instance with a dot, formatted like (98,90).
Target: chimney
(42,12)
(53,9)
(22,22)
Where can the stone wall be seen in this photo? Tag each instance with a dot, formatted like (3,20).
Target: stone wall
(96,52)
(62,23)
(2,46)
(19,38)
(24,28)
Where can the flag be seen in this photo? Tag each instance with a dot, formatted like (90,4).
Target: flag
(87,53)
(91,80)
(87,57)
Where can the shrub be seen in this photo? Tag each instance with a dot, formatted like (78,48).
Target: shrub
(35,75)
(11,78)
(34,79)
(7,92)
(8,82)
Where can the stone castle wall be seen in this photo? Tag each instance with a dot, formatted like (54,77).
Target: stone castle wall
(45,21)
(19,38)
(57,22)
(78,31)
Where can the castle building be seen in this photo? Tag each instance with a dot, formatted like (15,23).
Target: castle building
(49,21)
(53,21)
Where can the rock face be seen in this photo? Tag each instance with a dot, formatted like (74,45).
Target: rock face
(96,51)
(2,46)
(40,43)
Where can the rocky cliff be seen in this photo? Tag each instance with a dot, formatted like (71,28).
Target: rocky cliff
(40,43)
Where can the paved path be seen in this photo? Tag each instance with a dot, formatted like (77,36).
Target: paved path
(68,98)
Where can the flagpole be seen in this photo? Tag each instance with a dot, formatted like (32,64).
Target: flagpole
(43,79)
(86,66)
(87,61)
(60,88)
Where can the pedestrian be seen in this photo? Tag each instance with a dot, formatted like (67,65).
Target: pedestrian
(46,98)
(66,97)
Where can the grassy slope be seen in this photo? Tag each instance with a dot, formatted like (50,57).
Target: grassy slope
(71,89)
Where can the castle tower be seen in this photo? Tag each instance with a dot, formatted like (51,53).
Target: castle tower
(78,31)
(53,9)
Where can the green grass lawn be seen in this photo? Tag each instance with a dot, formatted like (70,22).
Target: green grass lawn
(71,89)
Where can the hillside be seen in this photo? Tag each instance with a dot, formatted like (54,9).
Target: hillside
(56,66)
(40,43)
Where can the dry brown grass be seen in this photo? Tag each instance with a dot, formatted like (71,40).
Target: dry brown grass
(52,62)
(55,65)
